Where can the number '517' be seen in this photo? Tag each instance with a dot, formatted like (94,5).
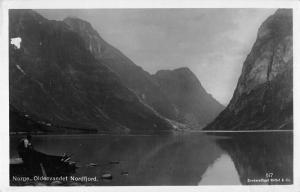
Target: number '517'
(269,175)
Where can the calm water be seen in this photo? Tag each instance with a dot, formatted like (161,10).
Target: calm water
(176,159)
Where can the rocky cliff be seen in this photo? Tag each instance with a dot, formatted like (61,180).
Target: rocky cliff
(196,107)
(263,98)
(56,82)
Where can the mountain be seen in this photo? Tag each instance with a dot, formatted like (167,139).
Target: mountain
(200,108)
(196,106)
(133,76)
(56,83)
(263,98)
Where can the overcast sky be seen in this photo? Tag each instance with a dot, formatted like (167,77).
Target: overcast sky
(213,43)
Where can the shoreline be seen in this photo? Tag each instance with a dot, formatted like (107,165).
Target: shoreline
(145,133)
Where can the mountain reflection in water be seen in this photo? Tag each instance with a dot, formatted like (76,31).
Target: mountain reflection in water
(222,172)
(257,154)
(173,159)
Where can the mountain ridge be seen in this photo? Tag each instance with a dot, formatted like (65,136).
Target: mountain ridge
(133,76)
(185,90)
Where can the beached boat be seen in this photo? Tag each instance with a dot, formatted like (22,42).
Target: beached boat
(40,164)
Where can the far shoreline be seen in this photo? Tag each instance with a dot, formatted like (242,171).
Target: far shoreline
(145,133)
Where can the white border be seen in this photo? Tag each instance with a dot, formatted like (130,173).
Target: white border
(59,4)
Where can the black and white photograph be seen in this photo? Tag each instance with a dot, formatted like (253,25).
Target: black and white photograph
(151,96)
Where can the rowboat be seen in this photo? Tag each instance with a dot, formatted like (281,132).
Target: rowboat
(40,164)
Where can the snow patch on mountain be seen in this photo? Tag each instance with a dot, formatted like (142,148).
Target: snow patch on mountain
(16,42)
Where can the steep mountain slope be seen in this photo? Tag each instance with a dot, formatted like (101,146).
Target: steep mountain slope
(56,81)
(196,106)
(133,76)
(263,98)
(147,87)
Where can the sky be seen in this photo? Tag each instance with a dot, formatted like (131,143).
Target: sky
(213,43)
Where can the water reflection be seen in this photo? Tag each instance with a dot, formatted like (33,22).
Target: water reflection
(183,159)
(148,160)
(221,172)
(261,158)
